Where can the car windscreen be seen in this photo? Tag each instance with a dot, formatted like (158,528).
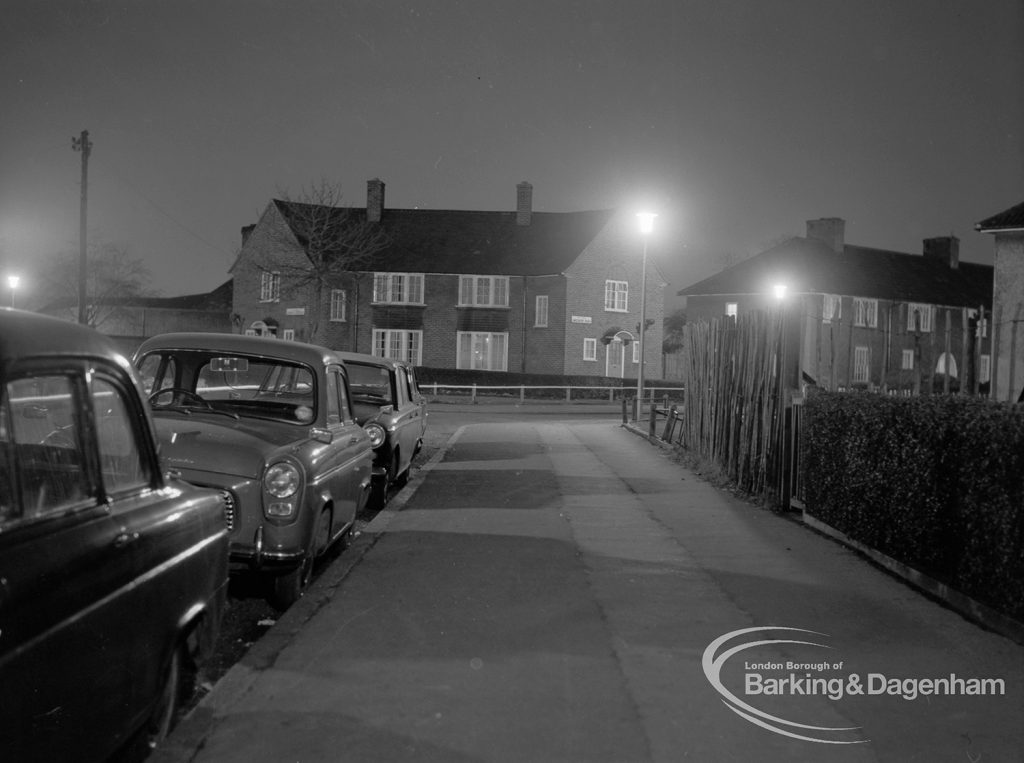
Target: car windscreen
(238,385)
(370,384)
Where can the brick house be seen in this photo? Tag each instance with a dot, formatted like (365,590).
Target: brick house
(862,317)
(1007,303)
(521,291)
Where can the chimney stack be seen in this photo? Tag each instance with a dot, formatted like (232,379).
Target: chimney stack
(524,203)
(374,200)
(830,230)
(945,249)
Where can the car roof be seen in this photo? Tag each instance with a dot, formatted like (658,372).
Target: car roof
(372,360)
(284,349)
(24,334)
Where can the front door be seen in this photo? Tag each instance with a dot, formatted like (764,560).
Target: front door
(614,362)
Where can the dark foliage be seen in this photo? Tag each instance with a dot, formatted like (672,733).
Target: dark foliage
(936,482)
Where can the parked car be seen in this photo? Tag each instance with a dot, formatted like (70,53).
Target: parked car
(113,575)
(270,424)
(389,406)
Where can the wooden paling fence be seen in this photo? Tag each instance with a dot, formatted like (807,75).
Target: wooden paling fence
(733,412)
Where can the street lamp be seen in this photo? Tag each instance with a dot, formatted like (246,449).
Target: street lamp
(12,282)
(646,220)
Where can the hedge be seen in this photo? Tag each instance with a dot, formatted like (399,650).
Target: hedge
(936,482)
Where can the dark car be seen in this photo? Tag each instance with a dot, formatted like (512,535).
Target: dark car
(269,423)
(389,406)
(113,576)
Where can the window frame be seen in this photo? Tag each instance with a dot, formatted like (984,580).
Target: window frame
(831,308)
(540,314)
(398,288)
(861,365)
(927,313)
(865,312)
(590,349)
(409,339)
(472,337)
(339,306)
(907,360)
(270,286)
(614,293)
(483,291)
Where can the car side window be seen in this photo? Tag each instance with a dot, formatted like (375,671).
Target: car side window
(123,461)
(42,442)
(337,391)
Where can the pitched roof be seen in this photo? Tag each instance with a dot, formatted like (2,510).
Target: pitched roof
(484,243)
(810,266)
(1008,219)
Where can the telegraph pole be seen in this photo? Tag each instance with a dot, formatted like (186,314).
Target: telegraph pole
(83,144)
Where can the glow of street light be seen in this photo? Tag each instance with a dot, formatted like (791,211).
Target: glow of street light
(779,290)
(646,221)
(13,281)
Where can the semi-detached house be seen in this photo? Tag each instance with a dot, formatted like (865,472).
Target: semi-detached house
(860,317)
(521,291)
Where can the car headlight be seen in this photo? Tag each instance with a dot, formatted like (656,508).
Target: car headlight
(376,433)
(281,480)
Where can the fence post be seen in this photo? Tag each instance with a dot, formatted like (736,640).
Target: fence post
(568,394)
(473,393)
(522,393)
(670,419)
(625,418)
(611,394)
(652,420)
(435,389)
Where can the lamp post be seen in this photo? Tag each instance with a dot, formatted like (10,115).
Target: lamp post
(12,283)
(646,220)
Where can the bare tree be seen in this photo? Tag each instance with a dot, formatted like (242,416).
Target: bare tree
(336,242)
(115,278)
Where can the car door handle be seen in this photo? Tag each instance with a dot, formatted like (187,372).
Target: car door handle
(124,538)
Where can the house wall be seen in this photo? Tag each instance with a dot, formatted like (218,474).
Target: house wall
(1008,317)
(826,349)
(544,349)
(610,257)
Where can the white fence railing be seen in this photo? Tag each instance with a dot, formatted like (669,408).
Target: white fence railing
(542,391)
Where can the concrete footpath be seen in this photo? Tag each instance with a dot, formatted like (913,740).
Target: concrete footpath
(559,591)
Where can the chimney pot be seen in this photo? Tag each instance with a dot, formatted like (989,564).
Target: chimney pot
(524,203)
(374,200)
(830,230)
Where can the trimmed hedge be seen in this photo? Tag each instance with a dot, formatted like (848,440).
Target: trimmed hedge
(936,482)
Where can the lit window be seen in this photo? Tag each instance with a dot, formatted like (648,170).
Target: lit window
(616,296)
(832,308)
(908,360)
(919,317)
(636,352)
(590,349)
(861,368)
(399,345)
(270,286)
(288,335)
(731,309)
(985,369)
(865,312)
(540,312)
(482,350)
(398,288)
(339,304)
(483,291)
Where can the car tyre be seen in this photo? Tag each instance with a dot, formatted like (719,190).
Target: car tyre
(284,590)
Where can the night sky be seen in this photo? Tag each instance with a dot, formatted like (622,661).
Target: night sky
(735,120)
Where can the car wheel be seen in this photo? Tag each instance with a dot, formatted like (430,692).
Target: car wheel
(285,590)
(164,714)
